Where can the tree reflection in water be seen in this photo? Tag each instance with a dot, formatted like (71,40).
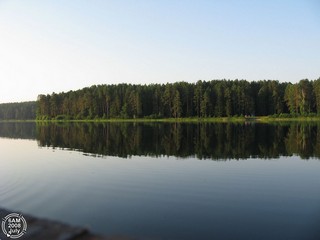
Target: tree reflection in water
(202,140)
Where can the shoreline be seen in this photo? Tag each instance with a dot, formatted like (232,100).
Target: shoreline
(261,119)
(41,228)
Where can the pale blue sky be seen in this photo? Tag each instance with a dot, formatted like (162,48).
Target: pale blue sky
(53,46)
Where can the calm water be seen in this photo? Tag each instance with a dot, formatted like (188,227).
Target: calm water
(167,181)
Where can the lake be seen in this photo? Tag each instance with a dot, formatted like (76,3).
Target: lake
(167,180)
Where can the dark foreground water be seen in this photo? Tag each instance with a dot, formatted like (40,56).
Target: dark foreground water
(167,181)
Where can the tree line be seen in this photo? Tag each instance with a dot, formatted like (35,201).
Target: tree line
(18,111)
(216,98)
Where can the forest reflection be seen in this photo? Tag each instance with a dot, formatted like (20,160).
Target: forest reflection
(202,140)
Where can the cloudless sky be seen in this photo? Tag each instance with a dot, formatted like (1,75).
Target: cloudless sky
(54,46)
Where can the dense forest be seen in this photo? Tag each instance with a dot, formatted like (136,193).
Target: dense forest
(18,111)
(216,98)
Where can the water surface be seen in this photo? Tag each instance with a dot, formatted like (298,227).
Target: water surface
(166,181)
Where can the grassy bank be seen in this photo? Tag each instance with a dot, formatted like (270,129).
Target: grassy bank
(269,119)
(186,120)
(263,119)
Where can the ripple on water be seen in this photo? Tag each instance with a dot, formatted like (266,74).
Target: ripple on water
(10,181)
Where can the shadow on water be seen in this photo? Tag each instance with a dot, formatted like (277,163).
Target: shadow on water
(203,140)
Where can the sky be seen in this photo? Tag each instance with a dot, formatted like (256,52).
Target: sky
(54,46)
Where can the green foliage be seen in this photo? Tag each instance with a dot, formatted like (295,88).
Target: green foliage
(316,92)
(176,105)
(61,117)
(153,116)
(216,98)
(18,111)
